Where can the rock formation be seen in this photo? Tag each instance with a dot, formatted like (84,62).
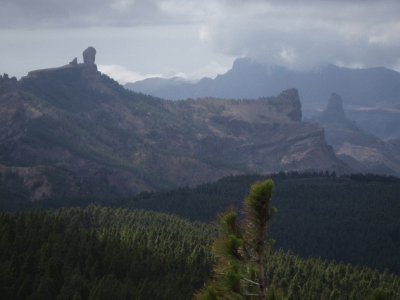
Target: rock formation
(89,67)
(289,101)
(89,56)
(334,110)
(360,149)
(74,62)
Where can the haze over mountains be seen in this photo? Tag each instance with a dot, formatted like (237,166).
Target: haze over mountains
(249,79)
(371,96)
(73,132)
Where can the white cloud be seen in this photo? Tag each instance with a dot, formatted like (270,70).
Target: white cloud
(124,75)
(211,70)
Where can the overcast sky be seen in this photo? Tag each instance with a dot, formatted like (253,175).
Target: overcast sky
(195,38)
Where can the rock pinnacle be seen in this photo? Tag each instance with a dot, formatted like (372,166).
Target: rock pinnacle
(89,56)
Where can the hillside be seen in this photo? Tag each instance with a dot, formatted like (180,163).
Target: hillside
(383,122)
(352,219)
(103,253)
(372,95)
(360,149)
(73,132)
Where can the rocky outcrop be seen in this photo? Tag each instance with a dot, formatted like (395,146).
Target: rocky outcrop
(334,111)
(74,62)
(289,100)
(363,151)
(89,56)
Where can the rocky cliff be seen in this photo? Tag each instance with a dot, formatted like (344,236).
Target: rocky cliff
(73,132)
(360,149)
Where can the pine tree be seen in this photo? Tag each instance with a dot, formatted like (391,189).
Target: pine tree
(239,272)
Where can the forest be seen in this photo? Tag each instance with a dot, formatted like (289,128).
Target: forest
(319,215)
(102,253)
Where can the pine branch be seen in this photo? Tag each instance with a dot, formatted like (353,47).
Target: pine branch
(250,281)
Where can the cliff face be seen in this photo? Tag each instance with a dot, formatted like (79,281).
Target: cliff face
(73,132)
(360,149)
(264,135)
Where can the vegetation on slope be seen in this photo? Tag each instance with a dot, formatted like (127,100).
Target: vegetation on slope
(352,219)
(104,253)
(100,140)
(315,211)
(100,253)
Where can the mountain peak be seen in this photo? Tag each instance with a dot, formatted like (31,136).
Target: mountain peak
(88,65)
(291,93)
(89,56)
(291,97)
(334,109)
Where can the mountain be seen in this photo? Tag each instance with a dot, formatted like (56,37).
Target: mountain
(372,95)
(383,122)
(360,149)
(149,85)
(249,79)
(73,132)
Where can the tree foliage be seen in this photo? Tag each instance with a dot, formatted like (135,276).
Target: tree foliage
(240,249)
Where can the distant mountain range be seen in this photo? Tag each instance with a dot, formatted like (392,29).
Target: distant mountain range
(372,96)
(72,132)
(249,79)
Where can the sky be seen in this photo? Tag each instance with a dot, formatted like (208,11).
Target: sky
(136,39)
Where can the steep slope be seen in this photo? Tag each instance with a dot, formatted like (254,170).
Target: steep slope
(360,149)
(383,122)
(73,132)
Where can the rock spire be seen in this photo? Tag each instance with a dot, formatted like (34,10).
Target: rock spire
(89,56)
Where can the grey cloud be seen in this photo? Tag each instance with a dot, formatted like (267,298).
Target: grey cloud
(78,13)
(306,34)
(298,34)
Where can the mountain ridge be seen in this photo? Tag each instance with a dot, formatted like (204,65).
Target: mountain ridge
(249,79)
(72,131)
